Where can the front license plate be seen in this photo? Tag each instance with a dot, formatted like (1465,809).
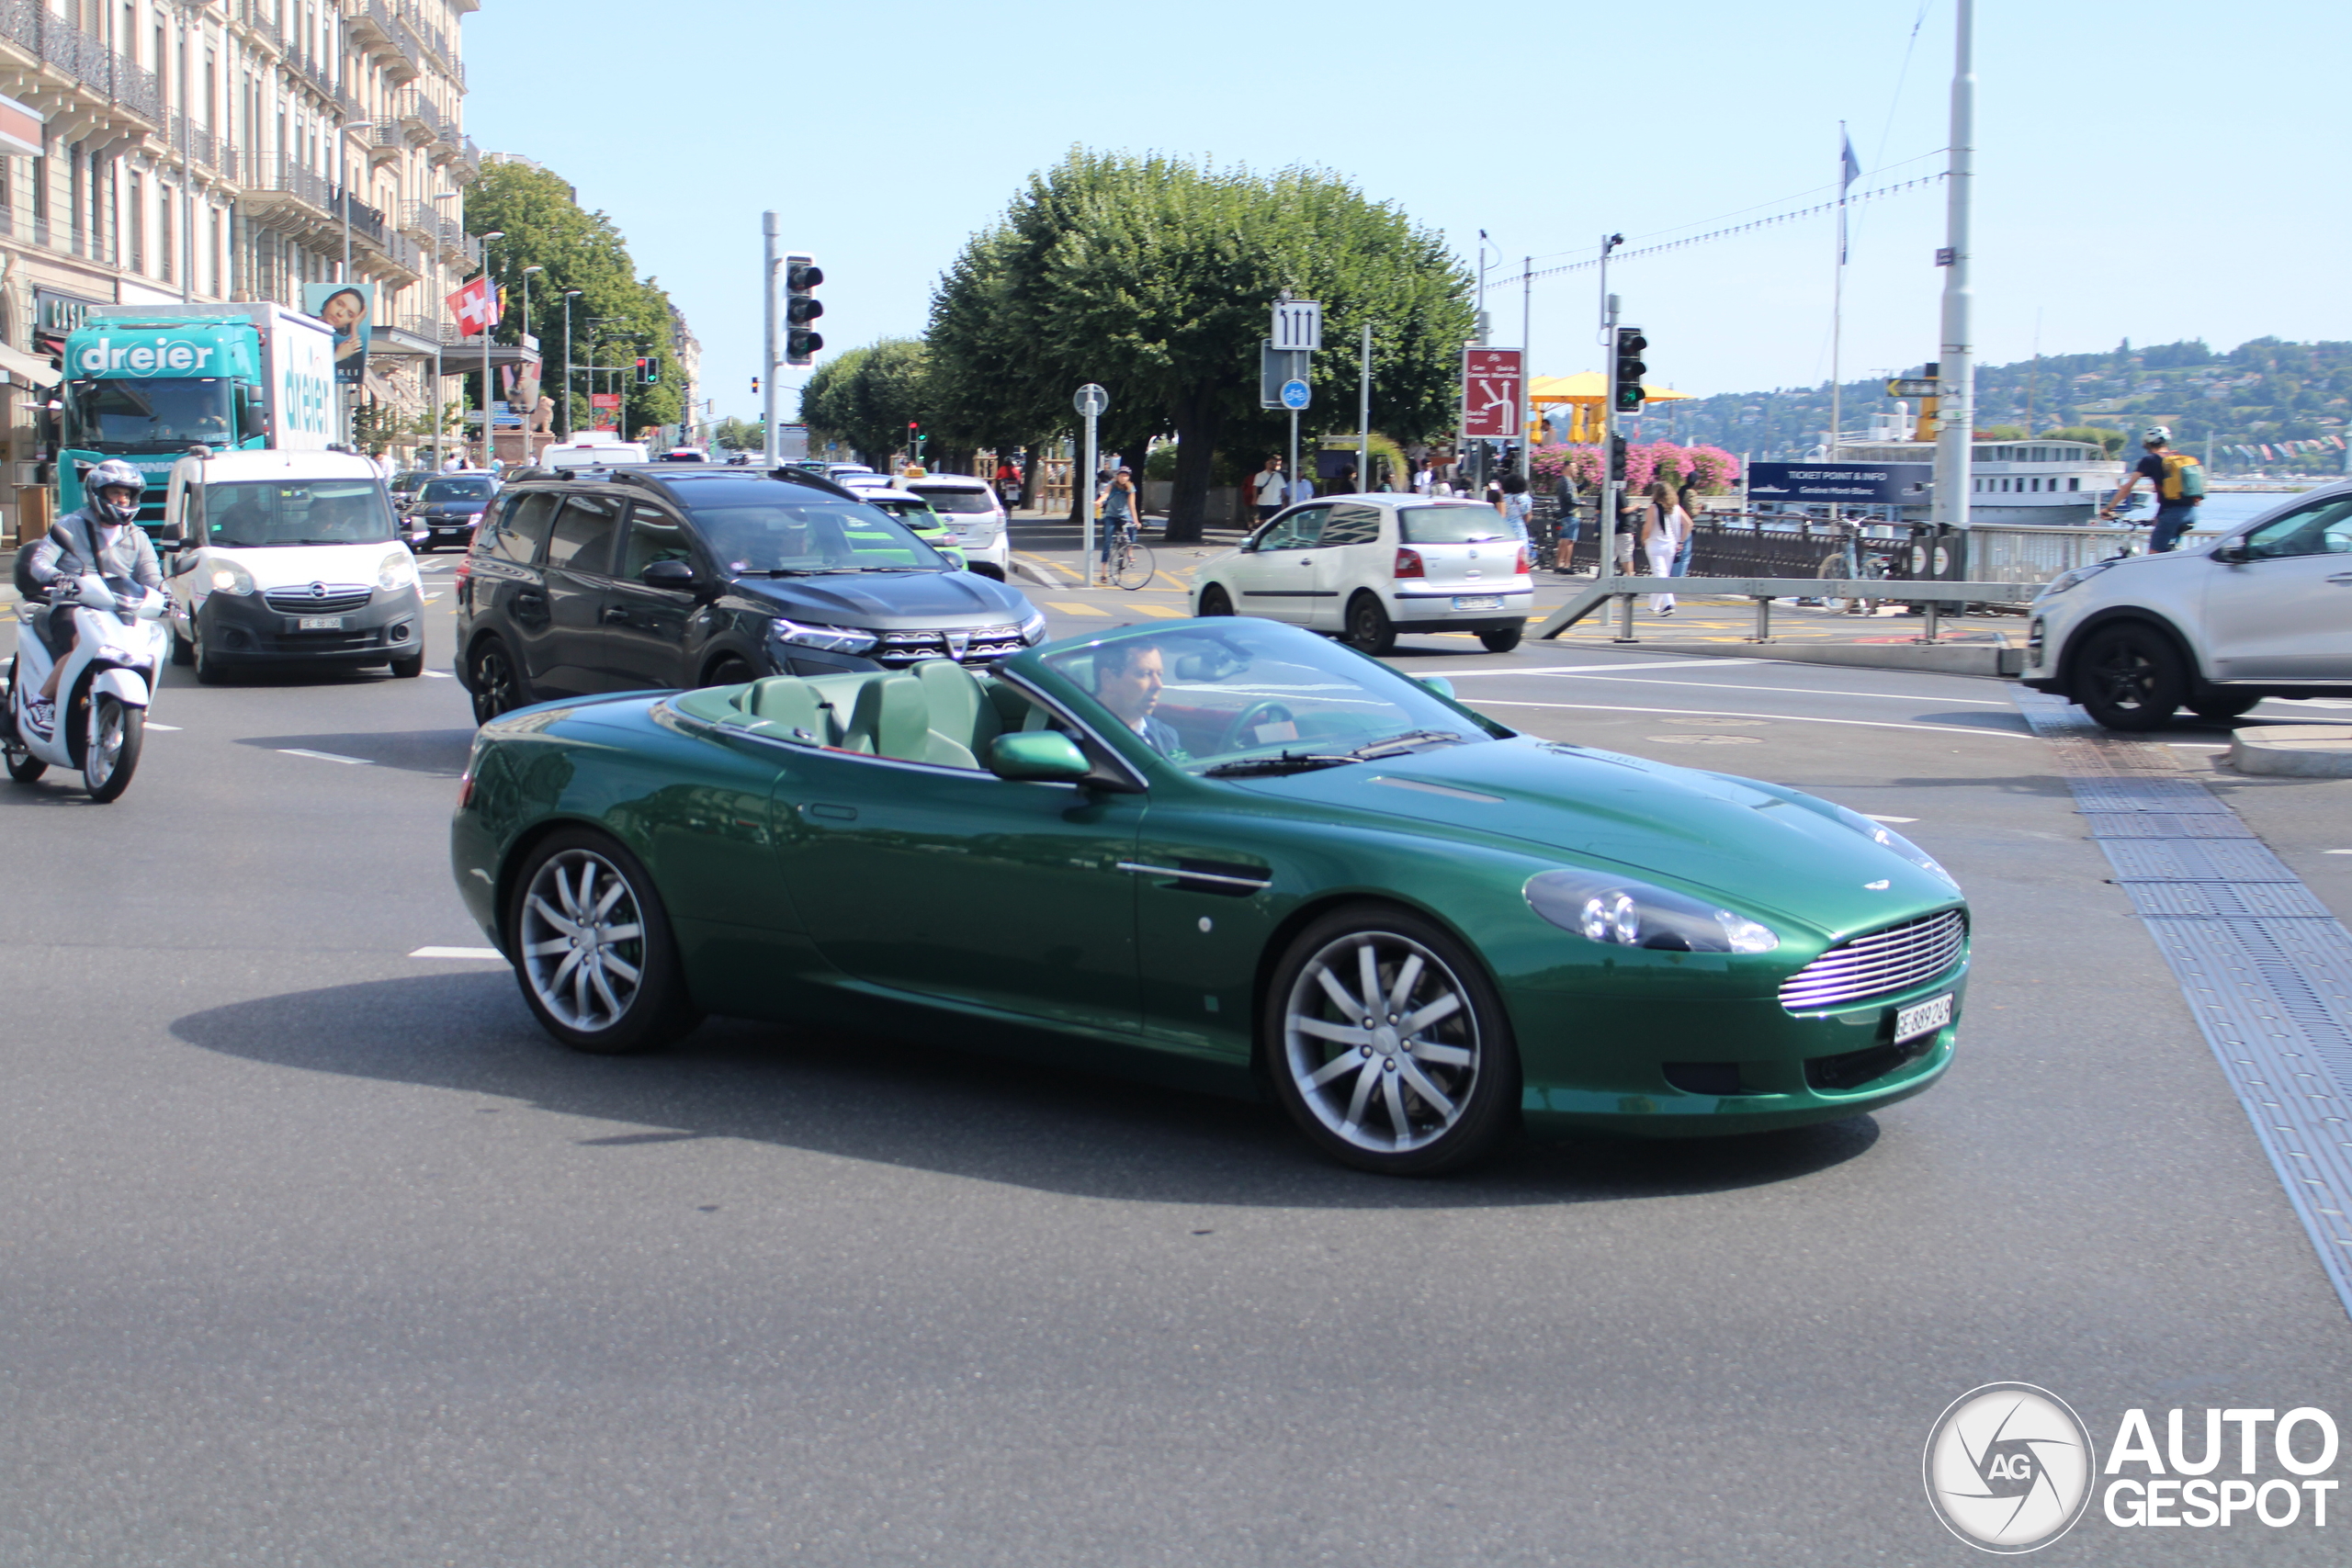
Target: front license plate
(1925,1018)
(317,623)
(1479,601)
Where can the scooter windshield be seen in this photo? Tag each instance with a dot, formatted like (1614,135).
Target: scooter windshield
(255,514)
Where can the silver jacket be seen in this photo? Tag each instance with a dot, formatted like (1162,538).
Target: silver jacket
(76,548)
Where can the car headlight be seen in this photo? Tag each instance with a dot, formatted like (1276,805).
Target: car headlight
(831,639)
(1880,834)
(472,518)
(2075,578)
(1033,627)
(394,570)
(228,577)
(1621,913)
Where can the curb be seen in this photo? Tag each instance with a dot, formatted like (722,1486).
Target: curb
(1937,658)
(2307,751)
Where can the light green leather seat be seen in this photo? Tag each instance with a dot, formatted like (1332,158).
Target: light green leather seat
(962,718)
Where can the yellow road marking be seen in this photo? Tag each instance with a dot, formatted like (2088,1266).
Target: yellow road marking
(1164,611)
(1073,609)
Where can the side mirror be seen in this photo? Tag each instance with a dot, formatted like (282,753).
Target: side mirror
(667,574)
(2229,551)
(1438,684)
(253,420)
(184,565)
(170,542)
(1039,755)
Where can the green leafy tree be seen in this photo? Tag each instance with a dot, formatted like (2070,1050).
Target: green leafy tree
(545,227)
(743,435)
(1156,279)
(865,397)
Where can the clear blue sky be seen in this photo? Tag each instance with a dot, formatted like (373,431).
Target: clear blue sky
(2154,170)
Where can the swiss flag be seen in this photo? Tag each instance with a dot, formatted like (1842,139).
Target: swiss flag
(475,306)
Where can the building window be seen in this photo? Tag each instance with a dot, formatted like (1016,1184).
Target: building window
(137,224)
(213,255)
(164,232)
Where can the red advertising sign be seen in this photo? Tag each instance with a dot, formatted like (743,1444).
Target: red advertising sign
(1490,393)
(605,399)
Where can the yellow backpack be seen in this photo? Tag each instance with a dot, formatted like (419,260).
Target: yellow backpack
(2184,478)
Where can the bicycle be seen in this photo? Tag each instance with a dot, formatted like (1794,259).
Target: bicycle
(1847,560)
(1132,564)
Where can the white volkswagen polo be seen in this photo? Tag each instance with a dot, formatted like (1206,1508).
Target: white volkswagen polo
(1366,568)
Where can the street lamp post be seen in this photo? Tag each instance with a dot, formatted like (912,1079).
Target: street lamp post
(445,195)
(569,296)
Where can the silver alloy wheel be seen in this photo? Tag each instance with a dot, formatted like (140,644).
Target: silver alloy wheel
(582,939)
(1380,1041)
(102,747)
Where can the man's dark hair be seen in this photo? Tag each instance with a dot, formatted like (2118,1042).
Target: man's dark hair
(1118,658)
(1514,485)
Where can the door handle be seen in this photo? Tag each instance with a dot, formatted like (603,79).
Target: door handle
(2344,577)
(832,813)
(615,613)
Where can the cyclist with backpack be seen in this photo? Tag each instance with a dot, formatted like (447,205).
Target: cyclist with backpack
(2178,480)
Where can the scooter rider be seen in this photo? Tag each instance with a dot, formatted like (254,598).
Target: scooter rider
(101,540)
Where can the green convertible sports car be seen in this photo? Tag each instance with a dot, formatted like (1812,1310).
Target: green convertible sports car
(1228,850)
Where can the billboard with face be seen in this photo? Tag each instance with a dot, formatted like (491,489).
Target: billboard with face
(350,310)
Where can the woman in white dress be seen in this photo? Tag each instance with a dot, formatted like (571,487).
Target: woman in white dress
(1664,527)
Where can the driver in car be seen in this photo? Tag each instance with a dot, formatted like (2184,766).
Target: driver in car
(1127,679)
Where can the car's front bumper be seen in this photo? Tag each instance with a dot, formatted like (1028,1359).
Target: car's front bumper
(241,627)
(1622,1066)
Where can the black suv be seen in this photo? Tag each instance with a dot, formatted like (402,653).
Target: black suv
(629,578)
(446,506)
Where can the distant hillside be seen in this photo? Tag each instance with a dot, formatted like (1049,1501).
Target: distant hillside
(2261,392)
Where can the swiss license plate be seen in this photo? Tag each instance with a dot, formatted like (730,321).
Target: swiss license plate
(1923,1018)
(317,623)
(1479,602)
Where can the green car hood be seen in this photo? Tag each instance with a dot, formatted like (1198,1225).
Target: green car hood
(1758,846)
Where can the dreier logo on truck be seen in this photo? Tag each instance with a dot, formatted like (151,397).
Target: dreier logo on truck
(162,354)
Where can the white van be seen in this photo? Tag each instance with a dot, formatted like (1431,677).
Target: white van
(289,558)
(592,454)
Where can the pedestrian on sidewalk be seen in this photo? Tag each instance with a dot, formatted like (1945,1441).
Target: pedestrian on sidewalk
(2178,482)
(1691,508)
(1302,489)
(1268,488)
(1120,509)
(1664,527)
(1424,478)
(1571,524)
(1517,506)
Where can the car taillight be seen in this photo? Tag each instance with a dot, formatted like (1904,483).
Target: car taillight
(465,569)
(1409,564)
(1522,565)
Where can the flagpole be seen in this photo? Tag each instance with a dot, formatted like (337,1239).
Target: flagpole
(1837,296)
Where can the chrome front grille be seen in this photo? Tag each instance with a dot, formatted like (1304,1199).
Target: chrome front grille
(318,597)
(1879,964)
(981,645)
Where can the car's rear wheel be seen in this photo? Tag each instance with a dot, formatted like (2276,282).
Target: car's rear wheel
(490,676)
(1502,640)
(2219,705)
(1388,1045)
(2130,678)
(592,947)
(1215,601)
(730,672)
(1369,627)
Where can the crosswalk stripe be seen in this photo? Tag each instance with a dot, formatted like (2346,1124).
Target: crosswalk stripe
(1067,608)
(1164,611)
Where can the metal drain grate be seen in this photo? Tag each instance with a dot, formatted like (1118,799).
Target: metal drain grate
(2265,968)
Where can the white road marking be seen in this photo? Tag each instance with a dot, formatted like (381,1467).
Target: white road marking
(1791,718)
(1791,691)
(322,756)
(1596,668)
(440,675)
(1876,818)
(488,953)
(172,727)
(2336,852)
(2198,745)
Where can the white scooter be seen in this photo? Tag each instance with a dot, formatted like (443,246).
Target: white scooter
(101,712)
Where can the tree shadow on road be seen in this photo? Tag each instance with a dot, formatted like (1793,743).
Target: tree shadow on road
(898,1101)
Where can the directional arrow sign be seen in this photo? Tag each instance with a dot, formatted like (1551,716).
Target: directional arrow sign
(1491,387)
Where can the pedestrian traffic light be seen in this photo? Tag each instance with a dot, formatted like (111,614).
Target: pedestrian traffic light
(1630,344)
(801,277)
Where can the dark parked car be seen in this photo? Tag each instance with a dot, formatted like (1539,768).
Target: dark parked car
(446,506)
(635,579)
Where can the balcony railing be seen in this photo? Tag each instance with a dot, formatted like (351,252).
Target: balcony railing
(66,242)
(34,28)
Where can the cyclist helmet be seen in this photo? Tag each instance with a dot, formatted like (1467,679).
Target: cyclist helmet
(100,483)
(2155,436)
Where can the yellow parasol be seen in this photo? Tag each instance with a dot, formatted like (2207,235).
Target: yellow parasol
(1587,390)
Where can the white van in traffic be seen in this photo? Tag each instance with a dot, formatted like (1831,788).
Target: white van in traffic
(289,558)
(592,454)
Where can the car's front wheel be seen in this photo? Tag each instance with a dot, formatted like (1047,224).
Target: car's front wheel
(1388,1045)
(2130,678)
(592,947)
(1215,601)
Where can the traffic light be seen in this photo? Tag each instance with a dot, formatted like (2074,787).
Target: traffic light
(1630,344)
(648,370)
(1617,458)
(802,306)
(756,383)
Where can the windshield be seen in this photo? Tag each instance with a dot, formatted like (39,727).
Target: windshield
(455,490)
(913,513)
(957,500)
(1449,525)
(297,512)
(1248,694)
(163,415)
(757,525)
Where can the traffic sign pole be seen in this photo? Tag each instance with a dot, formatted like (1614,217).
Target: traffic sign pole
(772,443)
(1089,401)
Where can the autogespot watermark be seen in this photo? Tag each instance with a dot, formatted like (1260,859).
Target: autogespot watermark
(2009,1467)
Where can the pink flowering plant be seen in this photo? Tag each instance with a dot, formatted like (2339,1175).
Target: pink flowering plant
(1710,468)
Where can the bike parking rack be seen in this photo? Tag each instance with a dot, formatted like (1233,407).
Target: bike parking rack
(1934,595)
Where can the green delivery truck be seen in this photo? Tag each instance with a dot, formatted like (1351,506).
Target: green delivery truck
(145,383)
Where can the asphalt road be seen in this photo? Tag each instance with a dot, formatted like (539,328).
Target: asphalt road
(316,1252)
